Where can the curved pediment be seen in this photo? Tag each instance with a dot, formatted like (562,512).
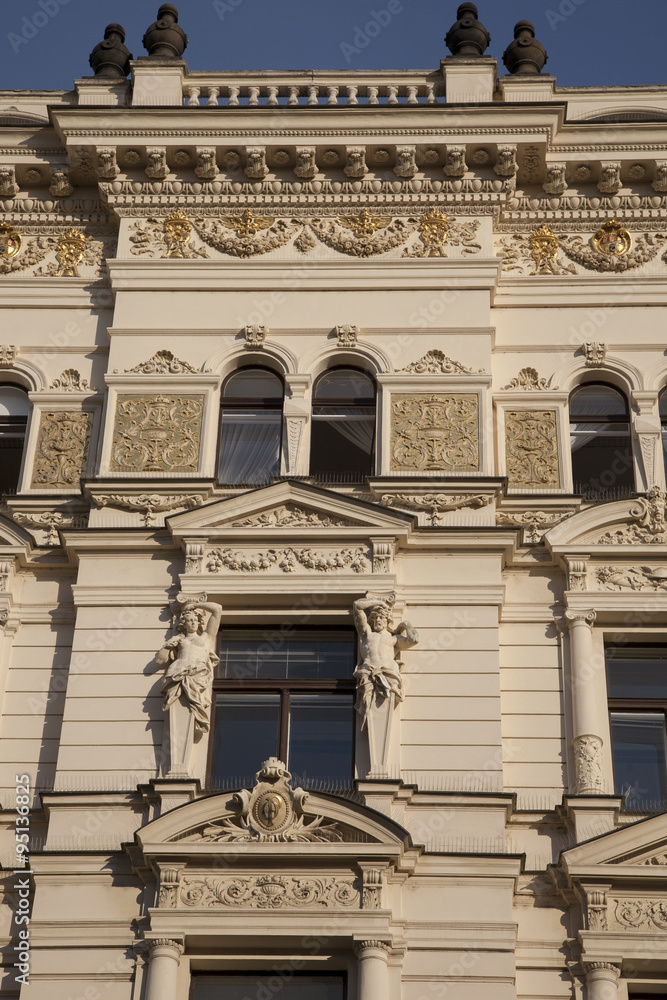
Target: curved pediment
(271,813)
(12,535)
(638,521)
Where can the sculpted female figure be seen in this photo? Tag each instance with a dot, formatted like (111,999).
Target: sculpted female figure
(187,682)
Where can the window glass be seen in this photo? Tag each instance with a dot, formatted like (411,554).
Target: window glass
(640,758)
(284,695)
(247,985)
(14,410)
(600,442)
(639,672)
(663,423)
(343,426)
(251,428)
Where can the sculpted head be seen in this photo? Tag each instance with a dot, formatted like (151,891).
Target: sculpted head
(379,618)
(191,621)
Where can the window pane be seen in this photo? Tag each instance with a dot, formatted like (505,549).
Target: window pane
(253,383)
(640,757)
(14,402)
(597,400)
(271,655)
(246,733)
(321,736)
(342,441)
(344,383)
(250,445)
(637,672)
(252,985)
(601,456)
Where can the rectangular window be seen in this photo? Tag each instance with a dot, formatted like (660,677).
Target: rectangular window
(290,697)
(249,985)
(637,690)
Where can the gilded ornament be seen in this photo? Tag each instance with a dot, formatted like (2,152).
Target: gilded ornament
(364,225)
(612,240)
(10,241)
(177,230)
(435,432)
(244,243)
(544,251)
(247,224)
(159,433)
(433,229)
(62,449)
(531,448)
(69,253)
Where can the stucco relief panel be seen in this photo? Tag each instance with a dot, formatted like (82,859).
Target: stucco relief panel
(63,443)
(271,892)
(531,448)
(434,432)
(157,433)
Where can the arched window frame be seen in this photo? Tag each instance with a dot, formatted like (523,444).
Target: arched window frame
(266,404)
(629,473)
(18,422)
(345,402)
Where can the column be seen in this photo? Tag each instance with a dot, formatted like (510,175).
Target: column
(602,981)
(587,743)
(165,956)
(373,983)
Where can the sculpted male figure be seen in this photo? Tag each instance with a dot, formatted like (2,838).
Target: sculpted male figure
(192,660)
(378,672)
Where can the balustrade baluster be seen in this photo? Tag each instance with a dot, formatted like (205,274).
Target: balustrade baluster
(233,97)
(373,95)
(412,95)
(430,94)
(352,95)
(193,97)
(333,95)
(213,93)
(273,97)
(293,96)
(393,95)
(313,93)
(253,97)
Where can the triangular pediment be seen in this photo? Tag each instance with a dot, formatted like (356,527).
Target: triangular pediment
(640,844)
(638,521)
(288,508)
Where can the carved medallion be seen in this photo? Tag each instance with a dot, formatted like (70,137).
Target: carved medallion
(157,433)
(435,432)
(62,449)
(531,448)
(612,240)
(10,241)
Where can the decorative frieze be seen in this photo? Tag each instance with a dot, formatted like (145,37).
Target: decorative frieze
(531,448)
(642,914)
(290,516)
(271,892)
(49,522)
(158,433)
(529,380)
(436,504)
(289,560)
(61,456)
(636,578)
(434,432)
(71,381)
(437,363)
(163,363)
(149,504)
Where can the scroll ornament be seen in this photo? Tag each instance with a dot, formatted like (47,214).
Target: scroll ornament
(150,504)
(533,522)
(640,913)
(436,432)
(157,433)
(650,513)
(163,363)
(271,892)
(531,448)
(437,363)
(62,449)
(436,504)
(71,381)
(288,560)
(529,380)
(290,516)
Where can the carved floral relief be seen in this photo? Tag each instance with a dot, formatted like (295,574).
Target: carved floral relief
(435,432)
(62,449)
(531,448)
(271,892)
(160,433)
(648,914)
(288,560)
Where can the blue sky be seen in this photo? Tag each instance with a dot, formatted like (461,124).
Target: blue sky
(45,43)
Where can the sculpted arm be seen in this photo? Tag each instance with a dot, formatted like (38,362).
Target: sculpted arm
(168,651)
(213,623)
(359,614)
(407,640)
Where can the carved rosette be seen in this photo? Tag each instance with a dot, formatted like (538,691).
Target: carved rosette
(62,449)
(531,448)
(435,432)
(588,765)
(159,433)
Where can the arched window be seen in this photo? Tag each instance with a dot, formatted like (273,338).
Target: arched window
(343,431)
(663,424)
(251,431)
(14,410)
(600,441)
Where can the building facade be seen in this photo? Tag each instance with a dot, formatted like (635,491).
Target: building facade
(333,545)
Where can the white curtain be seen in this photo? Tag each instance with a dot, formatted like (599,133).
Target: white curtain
(357,428)
(250,446)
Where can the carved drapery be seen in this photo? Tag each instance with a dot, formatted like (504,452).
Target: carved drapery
(435,432)
(531,448)
(62,449)
(160,433)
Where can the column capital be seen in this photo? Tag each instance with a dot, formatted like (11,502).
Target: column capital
(605,967)
(580,617)
(363,946)
(168,944)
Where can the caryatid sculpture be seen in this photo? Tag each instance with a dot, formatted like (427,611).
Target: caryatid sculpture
(187,683)
(378,673)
